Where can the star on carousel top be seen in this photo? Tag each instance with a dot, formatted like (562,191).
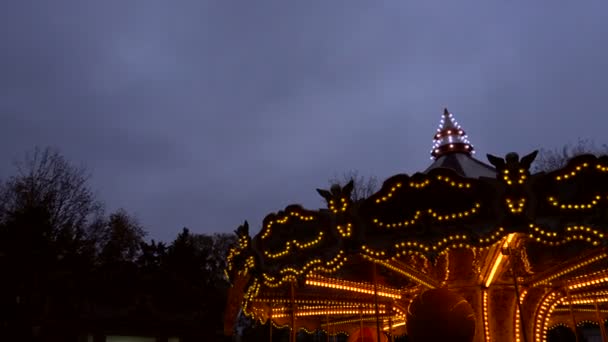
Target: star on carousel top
(450,138)
(452,150)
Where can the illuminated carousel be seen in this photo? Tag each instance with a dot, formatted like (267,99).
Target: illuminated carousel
(464,251)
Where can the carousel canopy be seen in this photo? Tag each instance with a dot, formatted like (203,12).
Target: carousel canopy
(460,225)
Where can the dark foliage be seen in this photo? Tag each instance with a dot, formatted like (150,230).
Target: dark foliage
(363,187)
(553,159)
(69,270)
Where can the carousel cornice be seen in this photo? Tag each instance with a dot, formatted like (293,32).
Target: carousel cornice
(428,214)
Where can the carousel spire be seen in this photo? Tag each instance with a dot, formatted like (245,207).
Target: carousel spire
(450,138)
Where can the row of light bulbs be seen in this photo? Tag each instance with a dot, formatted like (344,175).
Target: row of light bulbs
(575,233)
(486,321)
(593,294)
(556,203)
(453,183)
(581,309)
(297,244)
(585,229)
(557,325)
(354,287)
(370,251)
(584,301)
(497,235)
(573,173)
(417,185)
(422,185)
(310,302)
(284,220)
(348,306)
(403,272)
(578,168)
(446,276)
(517,318)
(591,282)
(548,318)
(547,280)
(542,317)
(349,321)
(586,322)
(334,281)
(242,244)
(390,193)
(448,132)
(572,229)
(445,241)
(289,273)
(329,312)
(565,240)
(432,213)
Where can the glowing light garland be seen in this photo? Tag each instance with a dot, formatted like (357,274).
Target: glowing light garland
(344,285)
(450,137)
(297,244)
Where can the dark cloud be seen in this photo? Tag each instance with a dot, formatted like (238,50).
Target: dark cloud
(206,113)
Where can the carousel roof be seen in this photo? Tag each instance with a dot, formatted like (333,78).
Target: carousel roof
(463,164)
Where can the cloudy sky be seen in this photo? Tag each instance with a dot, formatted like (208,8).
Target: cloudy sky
(206,113)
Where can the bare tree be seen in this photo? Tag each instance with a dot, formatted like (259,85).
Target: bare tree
(549,160)
(46,180)
(364,187)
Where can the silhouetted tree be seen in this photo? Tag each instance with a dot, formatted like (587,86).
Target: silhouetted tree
(45,179)
(43,211)
(363,187)
(62,258)
(553,159)
(119,238)
(196,266)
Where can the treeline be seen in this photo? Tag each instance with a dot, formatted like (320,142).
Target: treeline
(68,269)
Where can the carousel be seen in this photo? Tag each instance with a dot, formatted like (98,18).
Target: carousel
(463,251)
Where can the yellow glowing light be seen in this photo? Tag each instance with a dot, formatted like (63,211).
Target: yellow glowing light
(400,324)
(353,287)
(498,260)
(486,323)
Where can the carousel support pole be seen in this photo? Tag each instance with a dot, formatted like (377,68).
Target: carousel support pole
(293,314)
(360,319)
(376,302)
(519,306)
(600,321)
(572,313)
(390,328)
(270,324)
(327,332)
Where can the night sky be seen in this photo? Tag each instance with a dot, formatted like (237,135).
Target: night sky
(206,113)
